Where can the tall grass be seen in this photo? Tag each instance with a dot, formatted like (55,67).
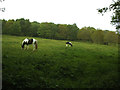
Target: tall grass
(53,65)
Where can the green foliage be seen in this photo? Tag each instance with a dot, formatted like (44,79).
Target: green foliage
(3,26)
(34,29)
(110,37)
(50,30)
(47,30)
(72,33)
(62,32)
(54,66)
(16,28)
(85,34)
(115,8)
(25,26)
(98,37)
(7,28)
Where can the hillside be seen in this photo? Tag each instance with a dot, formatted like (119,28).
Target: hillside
(85,65)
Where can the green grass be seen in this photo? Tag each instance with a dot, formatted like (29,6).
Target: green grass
(84,65)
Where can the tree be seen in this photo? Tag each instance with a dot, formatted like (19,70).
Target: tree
(34,29)
(115,7)
(47,30)
(54,29)
(62,31)
(25,26)
(4,30)
(8,27)
(16,28)
(72,32)
(98,37)
(85,33)
(110,37)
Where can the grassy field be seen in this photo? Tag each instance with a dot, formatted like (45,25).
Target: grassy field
(85,65)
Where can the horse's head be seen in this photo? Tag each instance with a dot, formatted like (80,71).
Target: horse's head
(23,44)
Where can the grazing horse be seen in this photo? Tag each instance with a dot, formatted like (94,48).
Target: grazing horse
(27,41)
(69,44)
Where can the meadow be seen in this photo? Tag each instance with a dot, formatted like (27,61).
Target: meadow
(52,65)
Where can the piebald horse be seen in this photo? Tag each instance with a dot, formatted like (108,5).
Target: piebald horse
(69,44)
(27,41)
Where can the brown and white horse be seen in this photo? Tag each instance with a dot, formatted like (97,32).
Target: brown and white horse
(27,41)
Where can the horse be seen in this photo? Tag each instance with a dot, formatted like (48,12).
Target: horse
(69,44)
(27,42)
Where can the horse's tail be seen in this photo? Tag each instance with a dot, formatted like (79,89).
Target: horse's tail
(36,45)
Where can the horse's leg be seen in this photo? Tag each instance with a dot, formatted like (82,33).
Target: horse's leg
(33,47)
(69,45)
(27,47)
(66,45)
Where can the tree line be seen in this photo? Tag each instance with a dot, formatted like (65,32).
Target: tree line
(49,30)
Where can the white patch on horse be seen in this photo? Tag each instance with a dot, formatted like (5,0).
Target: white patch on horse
(66,45)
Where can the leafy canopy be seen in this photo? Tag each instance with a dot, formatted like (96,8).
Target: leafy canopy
(115,8)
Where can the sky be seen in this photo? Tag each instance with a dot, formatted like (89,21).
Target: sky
(82,12)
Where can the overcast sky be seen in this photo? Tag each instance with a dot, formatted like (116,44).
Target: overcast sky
(81,12)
